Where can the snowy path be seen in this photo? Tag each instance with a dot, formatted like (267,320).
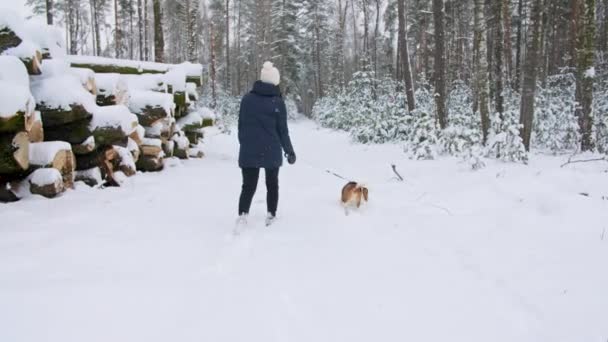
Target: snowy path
(509,253)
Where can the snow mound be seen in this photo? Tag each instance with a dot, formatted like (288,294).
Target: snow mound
(12,70)
(109,84)
(176,78)
(139,65)
(192,119)
(55,67)
(140,99)
(14,98)
(114,116)
(181,141)
(46,176)
(83,74)
(61,92)
(48,37)
(190,69)
(43,153)
(208,113)
(191,90)
(12,20)
(153,82)
(27,49)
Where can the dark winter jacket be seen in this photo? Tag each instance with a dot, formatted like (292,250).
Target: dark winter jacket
(263,132)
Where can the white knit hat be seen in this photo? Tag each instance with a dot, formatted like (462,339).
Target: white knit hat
(270,74)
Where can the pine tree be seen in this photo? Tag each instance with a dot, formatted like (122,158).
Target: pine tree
(404,57)
(285,42)
(530,71)
(159,40)
(481,71)
(585,71)
(440,82)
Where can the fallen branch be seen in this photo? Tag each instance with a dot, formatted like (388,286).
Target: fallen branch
(582,161)
(394,167)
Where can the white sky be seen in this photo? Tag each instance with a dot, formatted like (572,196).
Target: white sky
(16,5)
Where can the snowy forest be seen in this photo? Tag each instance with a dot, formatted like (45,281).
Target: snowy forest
(500,76)
(450,182)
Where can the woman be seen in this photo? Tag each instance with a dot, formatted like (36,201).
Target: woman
(263,136)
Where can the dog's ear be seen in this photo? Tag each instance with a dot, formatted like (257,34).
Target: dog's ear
(365,194)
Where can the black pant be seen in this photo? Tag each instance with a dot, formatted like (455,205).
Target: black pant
(250,184)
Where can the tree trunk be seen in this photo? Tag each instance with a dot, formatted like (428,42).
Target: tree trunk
(530,70)
(131,33)
(238,49)
(498,78)
(355,36)
(117,31)
(159,40)
(518,53)
(404,57)
(73,24)
(49,12)
(508,47)
(140,30)
(481,70)
(366,48)
(440,86)
(228,83)
(146,38)
(318,54)
(212,72)
(585,73)
(376,28)
(93,40)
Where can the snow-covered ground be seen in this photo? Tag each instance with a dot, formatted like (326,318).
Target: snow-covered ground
(508,253)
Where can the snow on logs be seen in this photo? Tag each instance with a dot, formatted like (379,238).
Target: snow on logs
(14,42)
(57,155)
(150,106)
(46,182)
(97,120)
(111,89)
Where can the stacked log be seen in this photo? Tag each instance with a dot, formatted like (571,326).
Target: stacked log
(87,79)
(57,155)
(152,154)
(46,182)
(17,117)
(96,120)
(111,90)
(192,92)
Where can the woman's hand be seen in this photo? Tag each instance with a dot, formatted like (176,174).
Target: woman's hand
(291,158)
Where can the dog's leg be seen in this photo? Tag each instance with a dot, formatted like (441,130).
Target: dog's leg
(345,206)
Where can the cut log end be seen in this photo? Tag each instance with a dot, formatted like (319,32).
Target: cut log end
(14,153)
(47,183)
(36,131)
(150,164)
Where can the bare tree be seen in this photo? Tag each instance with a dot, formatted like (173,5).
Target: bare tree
(530,70)
(440,86)
(49,12)
(140,29)
(159,39)
(585,72)
(481,69)
(498,77)
(228,82)
(212,71)
(404,56)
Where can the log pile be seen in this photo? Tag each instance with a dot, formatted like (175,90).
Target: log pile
(67,119)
